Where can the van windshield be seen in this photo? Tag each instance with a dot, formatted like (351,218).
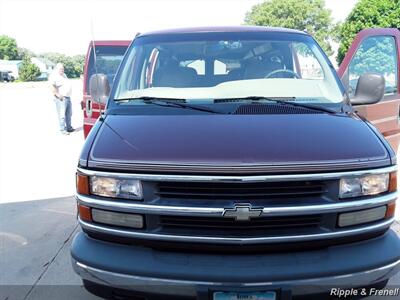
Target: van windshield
(228,65)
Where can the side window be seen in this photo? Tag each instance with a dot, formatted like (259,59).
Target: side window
(220,68)
(90,70)
(375,54)
(227,66)
(198,65)
(108,59)
(306,63)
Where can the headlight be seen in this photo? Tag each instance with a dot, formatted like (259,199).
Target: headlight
(363,186)
(115,187)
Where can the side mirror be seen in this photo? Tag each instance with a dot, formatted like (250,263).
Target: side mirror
(99,88)
(370,89)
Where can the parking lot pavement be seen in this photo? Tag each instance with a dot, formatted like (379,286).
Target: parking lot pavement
(35,261)
(37,179)
(59,281)
(37,210)
(33,153)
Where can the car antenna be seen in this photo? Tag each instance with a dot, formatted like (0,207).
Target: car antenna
(95,63)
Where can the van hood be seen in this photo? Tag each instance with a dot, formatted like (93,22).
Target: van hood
(236,142)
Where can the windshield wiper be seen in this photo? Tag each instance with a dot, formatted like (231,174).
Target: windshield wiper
(280,100)
(169,102)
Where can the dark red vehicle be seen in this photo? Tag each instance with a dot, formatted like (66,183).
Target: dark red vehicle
(233,163)
(384,115)
(376,50)
(103,57)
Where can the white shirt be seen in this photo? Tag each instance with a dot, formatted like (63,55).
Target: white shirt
(62,83)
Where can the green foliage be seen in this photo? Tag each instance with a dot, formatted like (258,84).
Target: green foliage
(73,65)
(368,14)
(78,64)
(377,55)
(8,48)
(309,15)
(22,52)
(28,71)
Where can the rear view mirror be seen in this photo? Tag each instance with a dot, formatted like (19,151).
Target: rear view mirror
(370,89)
(99,88)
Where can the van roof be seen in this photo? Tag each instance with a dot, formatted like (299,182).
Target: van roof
(110,43)
(242,28)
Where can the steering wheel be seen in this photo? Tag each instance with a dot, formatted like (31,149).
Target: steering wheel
(295,75)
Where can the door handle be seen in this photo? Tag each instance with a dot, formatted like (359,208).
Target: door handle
(89,110)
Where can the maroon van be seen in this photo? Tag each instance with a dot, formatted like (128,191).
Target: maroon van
(234,163)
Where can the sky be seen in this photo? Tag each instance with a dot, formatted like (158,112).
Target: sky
(67,26)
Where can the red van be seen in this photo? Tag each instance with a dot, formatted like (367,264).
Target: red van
(376,50)
(108,56)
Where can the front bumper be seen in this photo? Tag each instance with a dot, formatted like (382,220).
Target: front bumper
(185,274)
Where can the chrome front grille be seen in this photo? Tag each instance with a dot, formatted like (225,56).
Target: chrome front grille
(191,208)
(253,227)
(240,190)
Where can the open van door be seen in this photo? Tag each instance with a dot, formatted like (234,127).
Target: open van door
(109,55)
(376,50)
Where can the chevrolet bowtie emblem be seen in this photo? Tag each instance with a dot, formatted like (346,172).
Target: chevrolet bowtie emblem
(242,212)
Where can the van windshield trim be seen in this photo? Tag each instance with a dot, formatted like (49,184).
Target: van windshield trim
(215,36)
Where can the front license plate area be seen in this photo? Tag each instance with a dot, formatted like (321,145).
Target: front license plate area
(244,296)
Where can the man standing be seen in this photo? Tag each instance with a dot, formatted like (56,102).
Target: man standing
(61,88)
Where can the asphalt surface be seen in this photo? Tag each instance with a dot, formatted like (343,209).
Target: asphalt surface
(37,162)
(35,264)
(37,181)
(37,210)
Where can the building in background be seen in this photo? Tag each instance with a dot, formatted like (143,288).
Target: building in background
(13,66)
(45,66)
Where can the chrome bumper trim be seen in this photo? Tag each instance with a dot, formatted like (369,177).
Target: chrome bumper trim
(189,288)
(243,168)
(233,240)
(256,178)
(343,206)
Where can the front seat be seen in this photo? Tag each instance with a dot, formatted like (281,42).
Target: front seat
(258,69)
(173,75)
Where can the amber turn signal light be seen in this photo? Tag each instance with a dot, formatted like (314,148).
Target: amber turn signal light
(82,184)
(84,213)
(393,182)
(391,208)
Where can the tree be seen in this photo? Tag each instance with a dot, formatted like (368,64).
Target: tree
(73,66)
(308,15)
(22,52)
(367,14)
(8,48)
(375,54)
(78,62)
(28,71)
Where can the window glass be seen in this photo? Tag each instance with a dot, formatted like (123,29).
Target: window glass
(108,59)
(214,66)
(220,68)
(198,65)
(307,62)
(376,54)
